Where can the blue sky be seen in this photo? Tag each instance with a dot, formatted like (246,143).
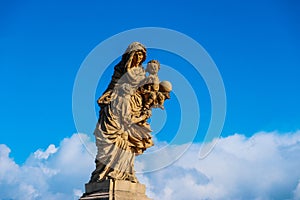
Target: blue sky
(255,45)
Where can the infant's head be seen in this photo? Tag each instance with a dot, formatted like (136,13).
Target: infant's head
(152,67)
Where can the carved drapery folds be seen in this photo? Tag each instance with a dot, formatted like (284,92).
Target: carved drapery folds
(122,131)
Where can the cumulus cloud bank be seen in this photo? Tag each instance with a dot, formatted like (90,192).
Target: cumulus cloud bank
(56,173)
(264,166)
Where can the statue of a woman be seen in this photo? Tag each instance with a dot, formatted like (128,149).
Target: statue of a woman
(122,131)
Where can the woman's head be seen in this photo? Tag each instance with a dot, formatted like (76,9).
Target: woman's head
(138,51)
(138,58)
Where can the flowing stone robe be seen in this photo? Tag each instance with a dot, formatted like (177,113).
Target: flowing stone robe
(122,131)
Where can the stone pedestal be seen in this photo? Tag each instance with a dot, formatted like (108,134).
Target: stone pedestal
(114,190)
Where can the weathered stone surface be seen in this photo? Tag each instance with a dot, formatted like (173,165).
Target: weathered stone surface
(114,190)
(122,131)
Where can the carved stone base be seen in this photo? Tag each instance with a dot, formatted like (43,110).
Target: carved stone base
(114,190)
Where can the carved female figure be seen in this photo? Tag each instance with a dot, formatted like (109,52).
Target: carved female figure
(122,131)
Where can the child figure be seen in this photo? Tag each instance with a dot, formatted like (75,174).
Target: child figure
(152,84)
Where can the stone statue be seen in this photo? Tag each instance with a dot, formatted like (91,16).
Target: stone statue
(122,131)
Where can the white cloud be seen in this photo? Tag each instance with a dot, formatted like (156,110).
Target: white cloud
(39,154)
(264,166)
(56,173)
